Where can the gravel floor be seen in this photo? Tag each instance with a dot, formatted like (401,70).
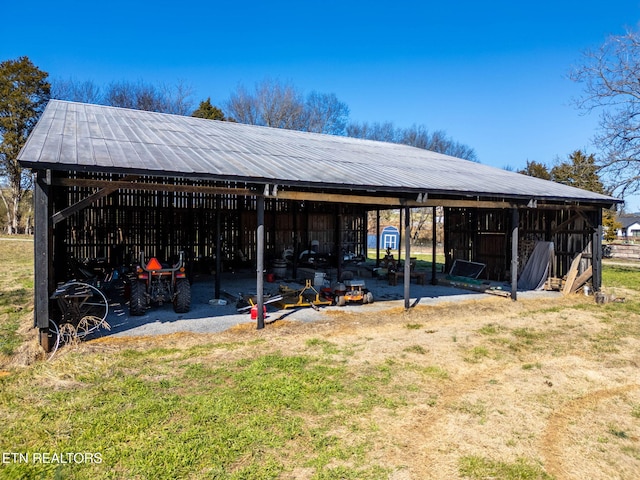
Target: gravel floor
(205,317)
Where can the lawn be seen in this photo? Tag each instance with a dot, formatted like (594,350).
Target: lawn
(474,390)
(16,291)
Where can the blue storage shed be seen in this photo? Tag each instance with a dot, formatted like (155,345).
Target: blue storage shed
(389,238)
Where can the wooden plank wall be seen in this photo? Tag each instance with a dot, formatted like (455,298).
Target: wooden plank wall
(481,235)
(118,226)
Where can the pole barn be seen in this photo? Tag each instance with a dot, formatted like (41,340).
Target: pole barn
(113,181)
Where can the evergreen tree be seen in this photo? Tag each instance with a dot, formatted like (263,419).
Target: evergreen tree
(536,169)
(207,110)
(581,171)
(24,92)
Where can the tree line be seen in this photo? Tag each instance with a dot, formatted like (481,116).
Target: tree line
(25,90)
(609,76)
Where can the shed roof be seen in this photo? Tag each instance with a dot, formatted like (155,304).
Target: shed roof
(84,137)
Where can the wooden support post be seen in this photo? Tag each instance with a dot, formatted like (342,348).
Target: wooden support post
(400,236)
(596,254)
(296,236)
(378,237)
(260,262)
(339,254)
(364,240)
(218,245)
(42,257)
(515,220)
(407,262)
(434,280)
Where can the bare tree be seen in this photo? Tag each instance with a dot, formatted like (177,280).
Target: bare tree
(610,76)
(243,107)
(176,99)
(325,114)
(416,136)
(76,91)
(271,104)
(382,132)
(281,105)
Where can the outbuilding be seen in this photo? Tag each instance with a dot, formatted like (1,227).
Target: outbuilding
(113,181)
(630,230)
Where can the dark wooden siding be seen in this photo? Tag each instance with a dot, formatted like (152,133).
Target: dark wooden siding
(115,228)
(481,235)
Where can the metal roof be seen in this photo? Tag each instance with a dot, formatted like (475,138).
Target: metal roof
(84,137)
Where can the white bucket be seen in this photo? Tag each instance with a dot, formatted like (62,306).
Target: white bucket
(318,279)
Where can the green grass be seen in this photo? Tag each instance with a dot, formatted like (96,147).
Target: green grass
(423,260)
(419,349)
(476,467)
(476,354)
(614,276)
(169,414)
(16,290)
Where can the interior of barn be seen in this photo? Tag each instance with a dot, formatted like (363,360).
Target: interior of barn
(303,240)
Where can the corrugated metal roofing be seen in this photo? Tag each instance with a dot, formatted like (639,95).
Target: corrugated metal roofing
(76,136)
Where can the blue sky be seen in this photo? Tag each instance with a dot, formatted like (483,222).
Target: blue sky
(492,74)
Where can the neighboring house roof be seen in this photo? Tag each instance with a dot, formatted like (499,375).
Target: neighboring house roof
(628,221)
(84,137)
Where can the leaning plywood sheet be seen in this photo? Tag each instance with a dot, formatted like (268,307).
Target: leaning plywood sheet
(571,275)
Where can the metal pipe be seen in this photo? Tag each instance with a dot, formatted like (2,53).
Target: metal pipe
(515,220)
(260,262)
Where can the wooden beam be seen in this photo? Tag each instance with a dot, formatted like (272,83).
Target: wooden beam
(85,202)
(384,200)
(163,187)
(391,201)
(338,198)
(218,245)
(434,231)
(464,203)
(582,279)
(565,223)
(378,237)
(407,260)
(596,252)
(42,258)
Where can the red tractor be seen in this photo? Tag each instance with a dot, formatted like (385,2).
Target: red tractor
(154,282)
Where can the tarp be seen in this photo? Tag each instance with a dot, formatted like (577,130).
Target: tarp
(536,271)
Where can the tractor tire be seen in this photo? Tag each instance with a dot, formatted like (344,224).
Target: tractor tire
(182,300)
(341,301)
(138,302)
(368,297)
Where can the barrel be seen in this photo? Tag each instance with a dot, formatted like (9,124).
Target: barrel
(279,268)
